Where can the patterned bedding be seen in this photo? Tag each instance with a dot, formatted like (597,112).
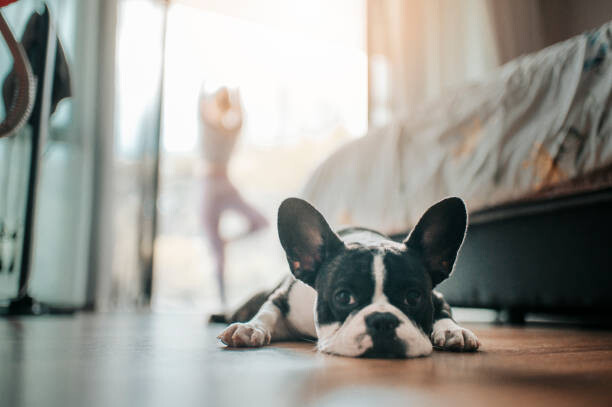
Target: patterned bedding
(539,121)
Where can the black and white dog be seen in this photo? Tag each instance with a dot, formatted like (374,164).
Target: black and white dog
(358,292)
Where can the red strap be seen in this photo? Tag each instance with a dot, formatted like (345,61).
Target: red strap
(6,2)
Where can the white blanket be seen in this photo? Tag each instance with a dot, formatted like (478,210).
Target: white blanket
(536,121)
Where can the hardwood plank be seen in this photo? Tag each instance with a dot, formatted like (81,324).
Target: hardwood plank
(143,359)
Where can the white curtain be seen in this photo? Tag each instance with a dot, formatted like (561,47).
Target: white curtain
(417,48)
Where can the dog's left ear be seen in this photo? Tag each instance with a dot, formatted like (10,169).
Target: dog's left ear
(438,235)
(306,237)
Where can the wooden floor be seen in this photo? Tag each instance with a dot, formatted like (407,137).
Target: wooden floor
(163,360)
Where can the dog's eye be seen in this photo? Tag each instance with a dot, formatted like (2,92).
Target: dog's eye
(412,298)
(344,298)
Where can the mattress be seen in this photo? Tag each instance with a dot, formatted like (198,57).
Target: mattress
(540,126)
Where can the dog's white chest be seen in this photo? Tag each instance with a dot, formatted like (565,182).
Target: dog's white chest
(301,301)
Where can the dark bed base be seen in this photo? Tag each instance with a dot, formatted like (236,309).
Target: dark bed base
(552,256)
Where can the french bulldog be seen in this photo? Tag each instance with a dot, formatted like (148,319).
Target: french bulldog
(358,292)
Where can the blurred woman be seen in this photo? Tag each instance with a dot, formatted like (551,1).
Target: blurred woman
(220,124)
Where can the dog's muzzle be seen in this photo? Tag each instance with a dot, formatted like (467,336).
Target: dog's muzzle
(381,327)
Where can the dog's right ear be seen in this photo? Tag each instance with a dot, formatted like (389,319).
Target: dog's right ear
(438,235)
(306,237)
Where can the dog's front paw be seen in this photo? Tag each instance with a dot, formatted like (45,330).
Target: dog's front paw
(244,335)
(448,335)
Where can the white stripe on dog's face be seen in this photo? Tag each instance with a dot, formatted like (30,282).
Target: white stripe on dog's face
(351,337)
(378,270)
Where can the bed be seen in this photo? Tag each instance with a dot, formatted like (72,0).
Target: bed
(529,148)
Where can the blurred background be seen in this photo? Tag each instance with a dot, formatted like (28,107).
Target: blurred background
(115,221)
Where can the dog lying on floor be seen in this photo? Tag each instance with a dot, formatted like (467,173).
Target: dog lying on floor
(357,292)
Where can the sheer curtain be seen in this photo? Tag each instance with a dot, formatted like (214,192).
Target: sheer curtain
(417,48)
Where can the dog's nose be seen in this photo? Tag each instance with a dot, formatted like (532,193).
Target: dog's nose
(381,322)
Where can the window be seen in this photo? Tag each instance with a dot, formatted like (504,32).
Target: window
(301,68)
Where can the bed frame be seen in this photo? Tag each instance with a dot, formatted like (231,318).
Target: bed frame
(553,256)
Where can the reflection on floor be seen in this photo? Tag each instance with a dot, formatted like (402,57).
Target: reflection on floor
(151,360)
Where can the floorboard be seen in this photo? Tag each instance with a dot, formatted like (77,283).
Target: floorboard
(162,360)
